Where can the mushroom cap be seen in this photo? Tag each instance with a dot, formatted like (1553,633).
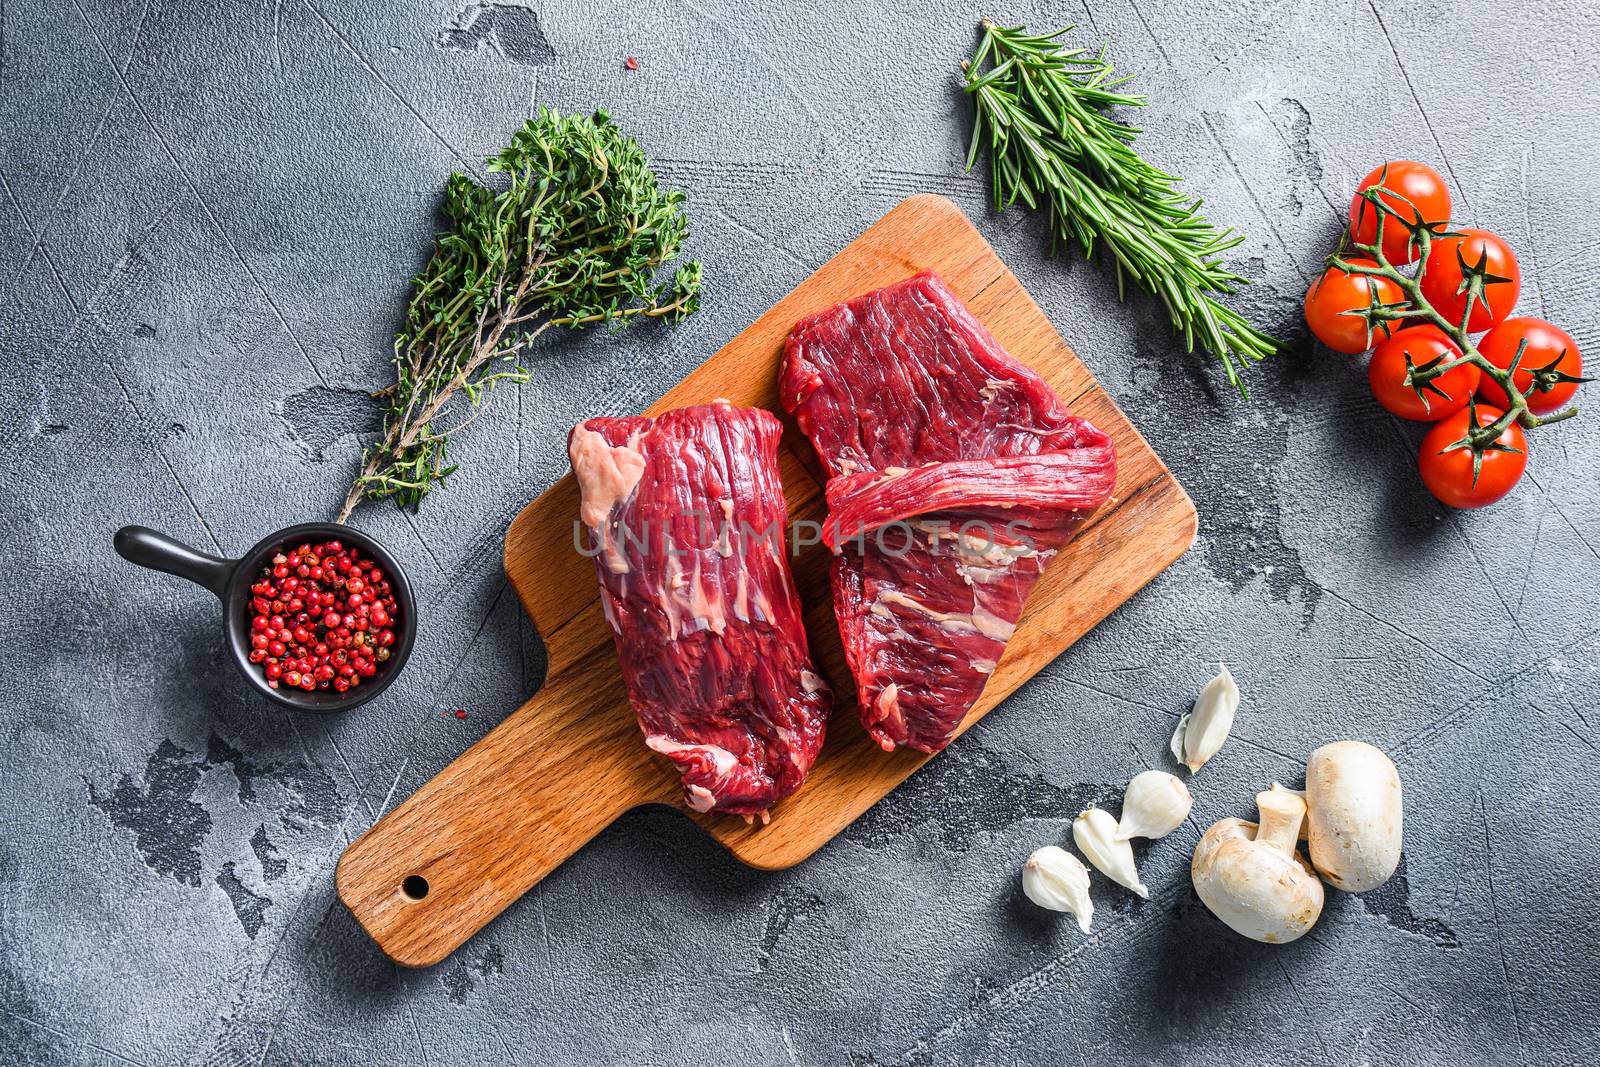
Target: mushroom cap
(1354,826)
(1261,891)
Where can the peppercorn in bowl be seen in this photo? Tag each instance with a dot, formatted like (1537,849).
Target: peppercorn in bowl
(318,617)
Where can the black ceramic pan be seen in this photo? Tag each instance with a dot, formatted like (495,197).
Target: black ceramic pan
(230,580)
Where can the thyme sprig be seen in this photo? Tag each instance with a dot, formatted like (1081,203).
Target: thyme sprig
(575,237)
(1476,279)
(1041,111)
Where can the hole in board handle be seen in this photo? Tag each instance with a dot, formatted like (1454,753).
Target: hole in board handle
(415,887)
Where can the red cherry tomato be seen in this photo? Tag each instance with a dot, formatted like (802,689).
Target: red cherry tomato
(1447,472)
(1443,278)
(1333,296)
(1439,396)
(1418,183)
(1547,346)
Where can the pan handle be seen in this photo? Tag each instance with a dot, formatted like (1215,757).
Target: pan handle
(149,548)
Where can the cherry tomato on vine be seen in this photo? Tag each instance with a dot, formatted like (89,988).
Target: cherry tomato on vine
(1403,180)
(1547,345)
(1335,294)
(1439,396)
(1443,279)
(1447,472)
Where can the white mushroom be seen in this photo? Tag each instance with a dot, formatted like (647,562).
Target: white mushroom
(1355,825)
(1251,877)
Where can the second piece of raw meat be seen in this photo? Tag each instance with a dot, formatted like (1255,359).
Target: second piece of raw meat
(955,474)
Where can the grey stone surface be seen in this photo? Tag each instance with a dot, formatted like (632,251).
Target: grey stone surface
(207,216)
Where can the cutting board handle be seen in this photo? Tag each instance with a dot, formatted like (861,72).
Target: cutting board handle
(488,827)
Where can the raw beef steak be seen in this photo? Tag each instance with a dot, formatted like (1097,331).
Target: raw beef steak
(686,517)
(954,476)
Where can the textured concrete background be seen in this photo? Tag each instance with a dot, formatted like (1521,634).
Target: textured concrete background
(207,216)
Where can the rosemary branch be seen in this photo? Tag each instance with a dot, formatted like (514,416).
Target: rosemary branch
(574,238)
(1041,111)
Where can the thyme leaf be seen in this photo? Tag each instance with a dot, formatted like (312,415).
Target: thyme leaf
(578,235)
(1041,113)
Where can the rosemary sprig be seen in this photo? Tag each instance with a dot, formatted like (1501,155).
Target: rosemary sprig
(1041,113)
(575,237)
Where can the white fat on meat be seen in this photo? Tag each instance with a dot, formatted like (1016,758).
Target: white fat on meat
(705,605)
(978,621)
(978,548)
(761,606)
(689,604)
(792,747)
(741,596)
(607,476)
(993,387)
(976,575)
(887,705)
(991,625)
(722,763)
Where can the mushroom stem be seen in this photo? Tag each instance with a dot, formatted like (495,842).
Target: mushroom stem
(1281,815)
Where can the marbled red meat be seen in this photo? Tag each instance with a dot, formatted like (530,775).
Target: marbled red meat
(686,518)
(955,474)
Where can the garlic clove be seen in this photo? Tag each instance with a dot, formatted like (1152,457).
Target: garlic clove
(1095,833)
(1178,735)
(1154,804)
(1200,734)
(1056,879)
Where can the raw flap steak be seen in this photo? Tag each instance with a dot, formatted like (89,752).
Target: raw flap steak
(955,474)
(686,519)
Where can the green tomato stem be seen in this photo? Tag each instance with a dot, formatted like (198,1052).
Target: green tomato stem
(1517,410)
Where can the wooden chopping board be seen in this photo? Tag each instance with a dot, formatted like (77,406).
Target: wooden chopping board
(560,768)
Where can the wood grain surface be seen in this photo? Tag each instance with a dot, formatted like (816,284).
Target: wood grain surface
(559,769)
